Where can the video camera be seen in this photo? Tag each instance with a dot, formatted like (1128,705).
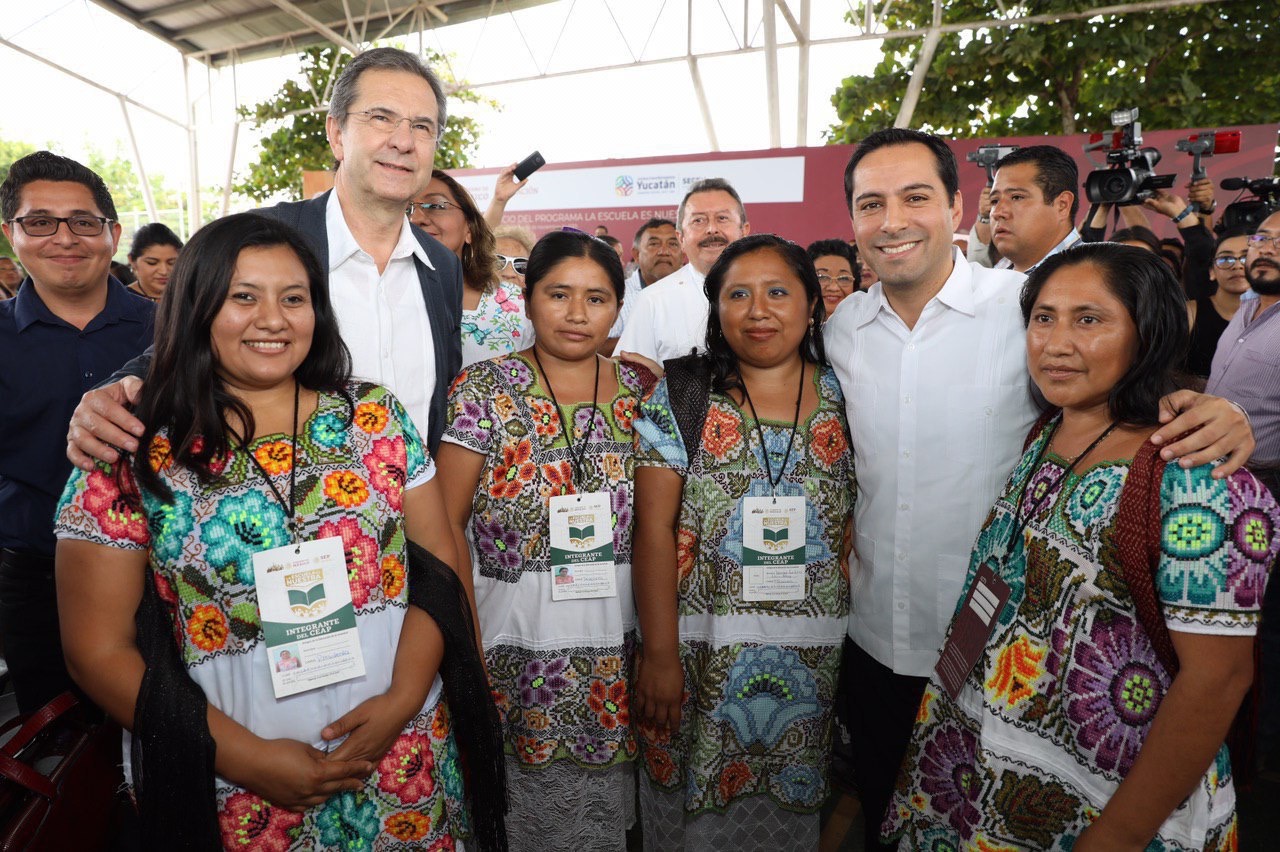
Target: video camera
(1129,176)
(1202,145)
(1248,212)
(988,155)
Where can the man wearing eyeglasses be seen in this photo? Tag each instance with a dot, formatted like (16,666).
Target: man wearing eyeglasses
(70,327)
(669,318)
(396,291)
(1246,370)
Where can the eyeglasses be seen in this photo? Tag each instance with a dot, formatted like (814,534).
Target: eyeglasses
(1229,261)
(1257,241)
(387,122)
(520,264)
(47,226)
(431,207)
(842,280)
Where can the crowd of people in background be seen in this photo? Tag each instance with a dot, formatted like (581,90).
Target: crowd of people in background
(970,530)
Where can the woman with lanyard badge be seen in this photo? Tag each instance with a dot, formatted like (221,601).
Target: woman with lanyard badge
(272,512)
(536,468)
(744,494)
(1104,640)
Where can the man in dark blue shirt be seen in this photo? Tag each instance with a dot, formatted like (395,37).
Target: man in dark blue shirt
(70,326)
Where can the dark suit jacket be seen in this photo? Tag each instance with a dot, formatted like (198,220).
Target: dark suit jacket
(441,291)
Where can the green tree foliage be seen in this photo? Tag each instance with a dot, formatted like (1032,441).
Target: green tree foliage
(10,151)
(1188,66)
(297,141)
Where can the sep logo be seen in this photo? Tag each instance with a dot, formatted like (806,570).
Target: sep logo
(624,185)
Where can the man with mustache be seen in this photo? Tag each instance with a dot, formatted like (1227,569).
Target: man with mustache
(669,318)
(1246,370)
(656,250)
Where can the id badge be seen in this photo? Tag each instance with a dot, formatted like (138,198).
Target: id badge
(582,547)
(308,619)
(773,548)
(971,629)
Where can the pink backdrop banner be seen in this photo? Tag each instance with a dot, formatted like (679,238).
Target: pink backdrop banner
(799,192)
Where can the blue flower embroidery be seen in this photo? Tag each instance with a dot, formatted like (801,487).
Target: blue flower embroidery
(769,690)
(169,524)
(243,526)
(328,431)
(349,821)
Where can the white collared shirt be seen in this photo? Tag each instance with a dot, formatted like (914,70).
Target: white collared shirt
(669,319)
(938,414)
(1071,240)
(382,316)
(634,284)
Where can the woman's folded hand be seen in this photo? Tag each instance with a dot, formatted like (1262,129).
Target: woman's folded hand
(371,728)
(296,776)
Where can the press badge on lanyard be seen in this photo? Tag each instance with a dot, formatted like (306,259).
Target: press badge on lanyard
(582,547)
(773,548)
(308,618)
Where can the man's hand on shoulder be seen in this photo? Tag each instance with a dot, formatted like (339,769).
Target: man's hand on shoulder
(101,422)
(1204,428)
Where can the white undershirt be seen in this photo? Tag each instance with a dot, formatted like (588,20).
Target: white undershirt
(669,318)
(382,317)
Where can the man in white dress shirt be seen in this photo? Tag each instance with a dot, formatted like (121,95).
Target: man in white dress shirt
(669,318)
(932,360)
(656,250)
(1034,202)
(396,291)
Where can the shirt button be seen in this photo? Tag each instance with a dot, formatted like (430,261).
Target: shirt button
(907,399)
(1241,340)
(904,506)
(901,605)
(911,346)
(906,454)
(88,374)
(987,410)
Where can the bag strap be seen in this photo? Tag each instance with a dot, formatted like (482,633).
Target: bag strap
(1137,541)
(19,773)
(689,389)
(37,722)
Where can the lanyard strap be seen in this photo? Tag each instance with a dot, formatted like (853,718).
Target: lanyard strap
(291,506)
(1020,520)
(764,449)
(567,425)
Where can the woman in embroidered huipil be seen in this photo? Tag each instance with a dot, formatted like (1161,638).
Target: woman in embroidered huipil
(493,314)
(525,430)
(736,682)
(257,438)
(1095,717)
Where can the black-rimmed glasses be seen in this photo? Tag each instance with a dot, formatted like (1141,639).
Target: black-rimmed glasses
(47,226)
(1229,261)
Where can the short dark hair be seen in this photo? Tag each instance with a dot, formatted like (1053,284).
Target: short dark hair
(562,245)
(655,222)
(613,241)
(714,184)
(839,248)
(153,234)
(946,161)
(1056,172)
(46,165)
(1156,304)
(1138,234)
(384,59)
(1230,233)
(478,256)
(724,361)
(183,392)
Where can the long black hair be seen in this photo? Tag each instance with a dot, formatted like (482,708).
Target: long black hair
(183,392)
(724,361)
(1156,304)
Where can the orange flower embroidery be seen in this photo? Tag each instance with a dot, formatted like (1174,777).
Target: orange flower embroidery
(545,418)
(530,750)
(160,454)
(660,765)
(736,776)
(345,488)
(371,417)
(828,444)
(624,411)
(686,549)
(276,457)
(207,628)
(392,577)
(1017,669)
(722,433)
(407,826)
(515,470)
(440,722)
(609,703)
(559,478)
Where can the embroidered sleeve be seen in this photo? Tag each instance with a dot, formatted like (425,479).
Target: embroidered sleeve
(472,418)
(419,466)
(658,441)
(1218,539)
(93,508)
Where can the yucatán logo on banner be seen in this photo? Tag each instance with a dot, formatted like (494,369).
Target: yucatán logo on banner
(624,185)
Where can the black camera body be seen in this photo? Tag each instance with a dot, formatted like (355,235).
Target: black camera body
(988,155)
(1248,212)
(1129,176)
